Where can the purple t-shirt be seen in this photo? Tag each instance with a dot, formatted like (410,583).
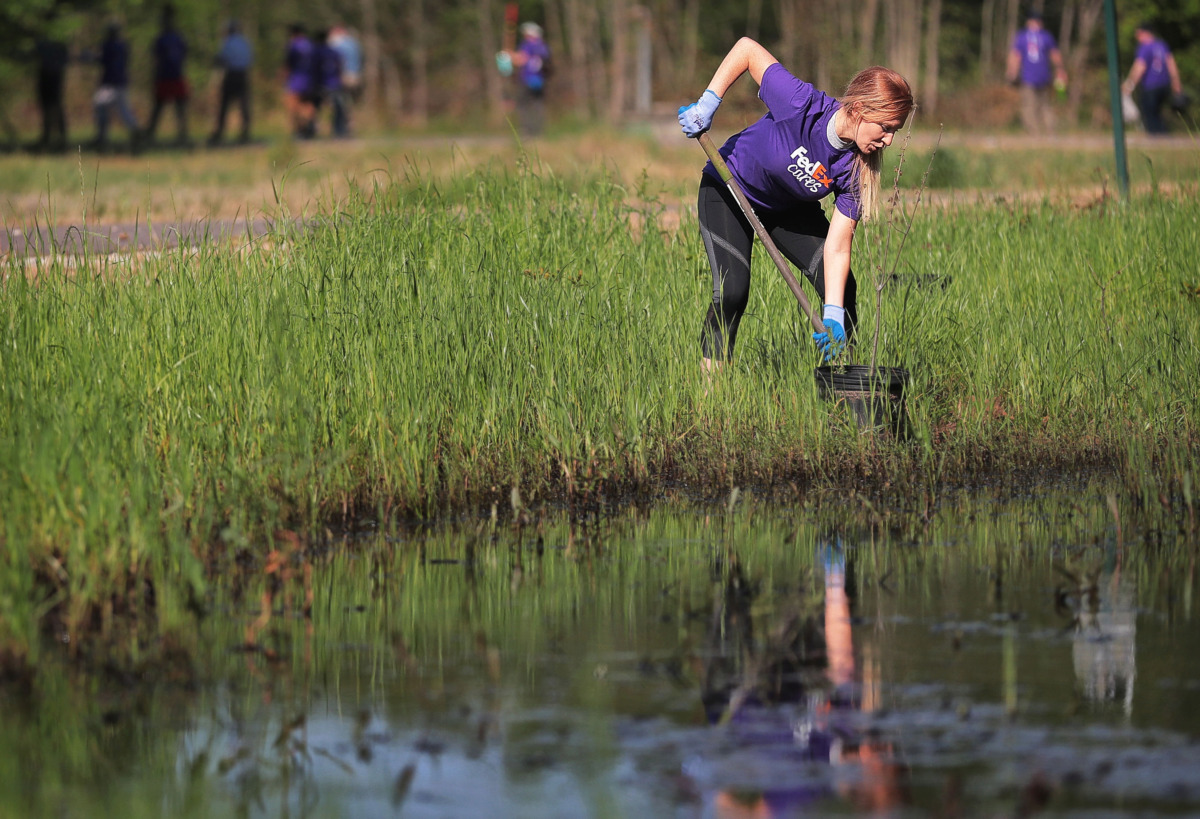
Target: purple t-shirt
(170,50)
(1154,55)
(299,62)
(1034,48)
(786,157)
(533,72)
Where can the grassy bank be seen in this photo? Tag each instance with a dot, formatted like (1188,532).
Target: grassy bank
(428,345)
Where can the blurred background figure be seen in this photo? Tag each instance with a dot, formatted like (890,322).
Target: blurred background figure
(328,64)
(235,58)
(298,87)
(347,45)
(532,61)
(169,52)
(113,90)
(52,57)
(1155,76)
(1104,643)
(1036,64)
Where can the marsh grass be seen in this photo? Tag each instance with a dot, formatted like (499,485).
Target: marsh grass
(423,347)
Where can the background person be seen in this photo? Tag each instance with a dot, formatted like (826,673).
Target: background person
(170,85)
(1035,63)
(328,66)
(532,61)
(808,146)
(347,45)
(1156,77)
(113,90)
(298,87)
(52,57)
(235,57)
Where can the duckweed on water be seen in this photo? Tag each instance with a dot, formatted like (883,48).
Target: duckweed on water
(421,348)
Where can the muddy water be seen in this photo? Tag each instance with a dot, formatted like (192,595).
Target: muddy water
(1005,657)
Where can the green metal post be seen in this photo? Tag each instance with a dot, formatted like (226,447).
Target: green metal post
(1114,92)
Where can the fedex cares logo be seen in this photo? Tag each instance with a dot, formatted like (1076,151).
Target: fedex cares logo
(808,172)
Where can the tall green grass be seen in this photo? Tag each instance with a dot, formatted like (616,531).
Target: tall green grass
(425,346)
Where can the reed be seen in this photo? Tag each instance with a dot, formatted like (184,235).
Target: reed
(424,346)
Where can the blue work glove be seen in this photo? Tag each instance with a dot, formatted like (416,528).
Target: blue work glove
(833,340)
(697,117)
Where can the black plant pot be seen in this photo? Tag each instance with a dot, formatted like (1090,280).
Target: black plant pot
(876,401)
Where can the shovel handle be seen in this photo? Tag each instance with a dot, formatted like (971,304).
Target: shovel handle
(727,177)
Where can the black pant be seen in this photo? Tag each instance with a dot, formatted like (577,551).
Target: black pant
(235,87)
(54,117)
(1153,100)
(798,232)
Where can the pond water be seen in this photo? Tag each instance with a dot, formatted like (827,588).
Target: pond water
(1004,657)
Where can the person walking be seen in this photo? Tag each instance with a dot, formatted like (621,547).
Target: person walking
(235,58)
(113,90)
(1036,65)
(1156,77)
(52,58)
(532,61)
(347,45)
(170,84)
(328,65)
(807,146)
(299,88)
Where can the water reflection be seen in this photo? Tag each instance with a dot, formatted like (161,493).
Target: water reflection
(1104,636)
(830,727)
(654,665)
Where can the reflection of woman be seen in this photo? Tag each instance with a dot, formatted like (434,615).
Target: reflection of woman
(805,148)
(827,731)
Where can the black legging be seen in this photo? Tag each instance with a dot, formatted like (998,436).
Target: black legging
(799,233)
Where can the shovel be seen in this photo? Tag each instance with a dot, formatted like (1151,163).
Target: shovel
(784,270)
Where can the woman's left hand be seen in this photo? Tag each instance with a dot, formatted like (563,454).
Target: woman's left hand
(831,342)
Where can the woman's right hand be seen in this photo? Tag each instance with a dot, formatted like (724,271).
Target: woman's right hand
(697,118)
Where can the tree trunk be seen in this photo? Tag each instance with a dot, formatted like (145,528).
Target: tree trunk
(492,81)
(903,20)
(789,25)
(1089,18)
(577,38)
(372,53)
(619,64)
(393,97)
(753,18)
(933,33)
(691,41)
(419,59)
(866,32)
(987,60)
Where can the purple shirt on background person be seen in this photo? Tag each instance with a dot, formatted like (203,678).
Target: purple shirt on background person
(329,67)
(1035,48)
(299,63)
(114,63)
(170,50)
(790,154)
(532,72)
(1154,55)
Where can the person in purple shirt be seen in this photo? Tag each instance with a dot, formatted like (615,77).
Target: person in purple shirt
(113,90)
(1036,64)
(808,145)
(532,61)
(170,83)
(299,86)
(1155,71)
(328,66)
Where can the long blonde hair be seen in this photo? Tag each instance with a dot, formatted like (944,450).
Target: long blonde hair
(880,95)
